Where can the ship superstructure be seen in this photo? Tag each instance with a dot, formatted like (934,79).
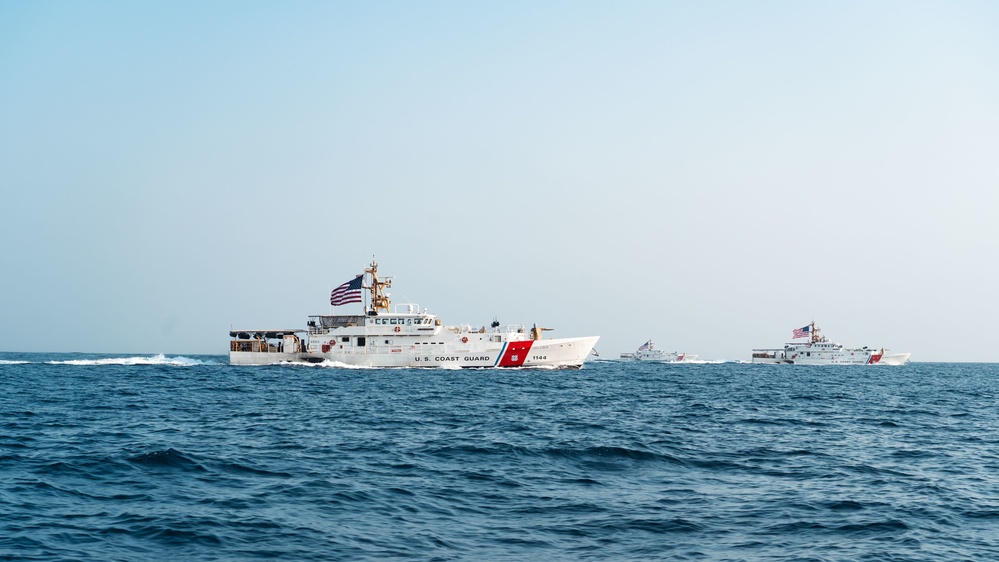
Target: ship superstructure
(649,352)
(407,336)
(818,350)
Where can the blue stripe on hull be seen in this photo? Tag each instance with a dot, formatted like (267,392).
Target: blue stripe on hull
(500,356)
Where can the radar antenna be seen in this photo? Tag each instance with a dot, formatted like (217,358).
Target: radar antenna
(379,301)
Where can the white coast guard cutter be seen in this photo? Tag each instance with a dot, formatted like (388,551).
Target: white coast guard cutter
(407,337)
(649,352)
(820,351)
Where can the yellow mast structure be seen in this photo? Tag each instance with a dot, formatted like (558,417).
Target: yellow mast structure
(378,299)
(815,333)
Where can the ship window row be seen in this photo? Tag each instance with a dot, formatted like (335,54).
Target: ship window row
(402,321)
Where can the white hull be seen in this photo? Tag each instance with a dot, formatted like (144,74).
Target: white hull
(649,352)
(258,358)
(895,359)
(821,351)
(809,357)
(555,353)
(406,338)
(672,357)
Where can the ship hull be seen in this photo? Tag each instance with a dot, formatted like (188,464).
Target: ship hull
(404,338)
(259,358)
(649,352)
(563,353)
(664,358)
(822,351)
(806,356)
(895,359)
(845,359)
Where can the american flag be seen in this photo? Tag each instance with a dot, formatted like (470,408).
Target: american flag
(348,292)
(645,346)
(801,332)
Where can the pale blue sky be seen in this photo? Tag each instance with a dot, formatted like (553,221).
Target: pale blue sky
(707,174)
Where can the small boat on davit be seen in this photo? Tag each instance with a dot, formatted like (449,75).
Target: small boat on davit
(406,337)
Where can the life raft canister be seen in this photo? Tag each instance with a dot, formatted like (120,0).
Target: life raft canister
(398,329)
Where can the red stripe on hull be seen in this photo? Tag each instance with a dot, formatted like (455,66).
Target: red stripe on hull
(516,353)
(875,358)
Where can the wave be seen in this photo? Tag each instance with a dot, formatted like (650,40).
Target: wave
(324,364)
(703,361)
(593,453)
(177,361)
(229,463)
(170,458)
(609,453)
(11,362)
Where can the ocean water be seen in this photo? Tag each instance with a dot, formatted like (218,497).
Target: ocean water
(188,458)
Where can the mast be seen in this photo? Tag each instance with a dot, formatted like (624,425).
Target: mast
(815,333)
(378,299)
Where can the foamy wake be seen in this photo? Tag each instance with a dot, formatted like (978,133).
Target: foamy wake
(706,361)
(178,361)
(325,364)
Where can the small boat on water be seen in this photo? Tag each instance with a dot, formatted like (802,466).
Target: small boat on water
(648,352)
(818,350)
(405,337)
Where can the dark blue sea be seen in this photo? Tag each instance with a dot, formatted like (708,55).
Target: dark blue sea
(187,458)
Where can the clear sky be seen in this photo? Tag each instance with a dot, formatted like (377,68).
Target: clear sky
(710,175)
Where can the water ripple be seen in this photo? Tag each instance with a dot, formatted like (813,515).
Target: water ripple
(165,458)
